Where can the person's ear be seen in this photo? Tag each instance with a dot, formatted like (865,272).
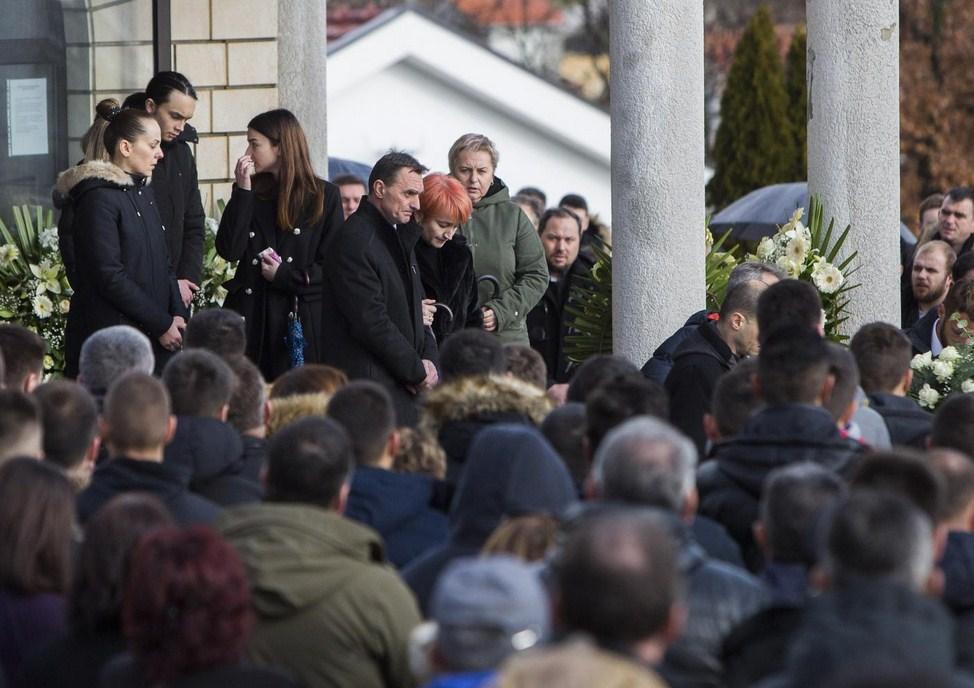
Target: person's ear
(170,429)
(125,147)
(590,489)
(907,380)
(760,537)
(710,428)
(379,188)
(31,381)
(267,414)
(150,106)
(828,385)
(341,500)
(91,453)
(393,443)
(934,586)
(690,503)
(224,412)
(737,321)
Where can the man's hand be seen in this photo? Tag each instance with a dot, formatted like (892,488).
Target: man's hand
(186,289)
(172,339)
(429,311)
(490,320)
(432,377)
(558,394)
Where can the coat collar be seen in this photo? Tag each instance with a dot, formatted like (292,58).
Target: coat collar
(468,397)
(103,170)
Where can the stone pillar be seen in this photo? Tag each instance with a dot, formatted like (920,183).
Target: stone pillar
(302,52)
(854,141)
(658,206)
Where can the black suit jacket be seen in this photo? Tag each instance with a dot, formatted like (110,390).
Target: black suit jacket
(372,307)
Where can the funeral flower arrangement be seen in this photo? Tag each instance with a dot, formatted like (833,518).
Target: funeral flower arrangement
(34,289)
(812,253)
(935,379)
(216,270)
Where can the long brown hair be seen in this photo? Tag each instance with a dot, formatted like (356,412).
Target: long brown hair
(298,188)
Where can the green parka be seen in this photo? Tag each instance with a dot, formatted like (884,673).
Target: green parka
(506,245)
(329,610)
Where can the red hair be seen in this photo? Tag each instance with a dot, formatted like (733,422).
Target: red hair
(444,196)
(187,603)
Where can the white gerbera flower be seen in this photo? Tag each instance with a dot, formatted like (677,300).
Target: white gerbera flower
(797,249)
(43,306)
(827,278)
(943,370)
(789,265)
(928,396)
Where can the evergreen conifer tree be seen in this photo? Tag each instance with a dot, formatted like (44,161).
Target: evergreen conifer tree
(755,144)
(797,88)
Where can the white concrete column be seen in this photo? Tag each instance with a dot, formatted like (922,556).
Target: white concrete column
(658,206)
(854,141)
(302,53)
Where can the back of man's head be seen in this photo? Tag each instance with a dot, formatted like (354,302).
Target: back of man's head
(904,472)
(620,399)
(789,303)
(246,412)
(883,354)
(110,353)
(742,298)
(219,330)
(755,270)
(308,462)
(526,364)
(20,425)
(137,414)
(879,536)
(364,408)
(956,473)
(735,400)
(70,420)
(616,577)
(472,352)
(564,428)
(953,425)
(845,373)
(646,462)
(793,366)
(199,383)
(23,356)
(794,500)
(594,372)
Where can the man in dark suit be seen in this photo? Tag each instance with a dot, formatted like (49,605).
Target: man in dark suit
(372,306)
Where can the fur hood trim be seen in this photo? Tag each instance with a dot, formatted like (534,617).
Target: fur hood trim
(95,169)
(468,397)
(286,410)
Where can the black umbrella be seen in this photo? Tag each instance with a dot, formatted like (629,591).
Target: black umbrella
(761,212)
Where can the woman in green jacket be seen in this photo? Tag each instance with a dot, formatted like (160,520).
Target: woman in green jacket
(504,243)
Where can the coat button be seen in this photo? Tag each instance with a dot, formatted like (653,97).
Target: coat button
(297,230)
(254,261)
(289,259)
(138,213)
(252,235)
(248,291)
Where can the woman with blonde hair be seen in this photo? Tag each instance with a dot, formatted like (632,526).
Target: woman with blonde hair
(504,243)
(445,261)
(276,224)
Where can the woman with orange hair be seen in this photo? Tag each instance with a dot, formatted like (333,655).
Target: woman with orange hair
(445,261)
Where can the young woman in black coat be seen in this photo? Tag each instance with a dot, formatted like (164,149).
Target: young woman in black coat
(445,262)
(171,99)
(276,223)
(122,274)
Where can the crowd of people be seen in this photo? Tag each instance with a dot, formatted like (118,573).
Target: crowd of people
(376,466)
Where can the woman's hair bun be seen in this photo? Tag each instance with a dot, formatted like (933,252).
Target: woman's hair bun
(108,109)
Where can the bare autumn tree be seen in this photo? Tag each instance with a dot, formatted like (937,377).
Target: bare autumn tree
(936,98)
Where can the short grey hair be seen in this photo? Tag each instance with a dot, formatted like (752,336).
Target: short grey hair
(646,461)
(476,143)
(753,270)
(111,352)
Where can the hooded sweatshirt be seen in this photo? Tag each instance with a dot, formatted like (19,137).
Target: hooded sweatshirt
(330,611)
(210,452)
(511,471)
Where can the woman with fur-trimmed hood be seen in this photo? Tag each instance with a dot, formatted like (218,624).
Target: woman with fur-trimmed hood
(121,273)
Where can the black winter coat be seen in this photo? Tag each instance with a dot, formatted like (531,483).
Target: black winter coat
(661,362)
(730,486)
(921,334)
(178,196)
(547,323)
(957,565)
(248,226)
(698,363)
(908,424)
(124,672)
(448,277)
(122,274)
(167,482)
(373,307)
